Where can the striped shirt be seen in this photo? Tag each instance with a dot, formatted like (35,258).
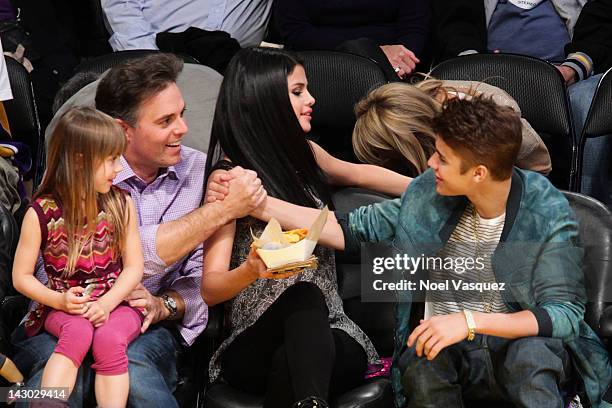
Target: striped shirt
(175,192)
(473,238)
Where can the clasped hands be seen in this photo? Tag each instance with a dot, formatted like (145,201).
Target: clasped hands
(74,302)
(434,334)
(240,190)
(97,311)
(220,188)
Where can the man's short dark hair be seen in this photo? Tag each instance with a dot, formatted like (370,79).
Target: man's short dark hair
(127,86)
(481,132)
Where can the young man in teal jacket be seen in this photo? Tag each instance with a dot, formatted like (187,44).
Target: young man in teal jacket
(527,344)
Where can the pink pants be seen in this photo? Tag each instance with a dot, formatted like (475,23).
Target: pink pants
(108,342)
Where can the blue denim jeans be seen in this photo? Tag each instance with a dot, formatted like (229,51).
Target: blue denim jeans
(152,367)
(526,372)
(596,171)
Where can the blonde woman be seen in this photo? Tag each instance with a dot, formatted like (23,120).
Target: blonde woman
(393,125)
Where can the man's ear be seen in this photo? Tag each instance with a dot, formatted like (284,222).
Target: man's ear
(127,129)
(481,173)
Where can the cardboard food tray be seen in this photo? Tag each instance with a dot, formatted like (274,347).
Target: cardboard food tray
(290,256)
(310,263)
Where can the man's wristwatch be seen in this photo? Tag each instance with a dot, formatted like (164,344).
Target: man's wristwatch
(471,324)
(170,304)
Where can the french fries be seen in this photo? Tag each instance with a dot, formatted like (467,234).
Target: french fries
(295,235)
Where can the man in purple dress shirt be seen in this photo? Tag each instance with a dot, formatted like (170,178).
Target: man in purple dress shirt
(166,182)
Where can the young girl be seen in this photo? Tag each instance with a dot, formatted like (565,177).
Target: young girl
(86,230)
(290,338)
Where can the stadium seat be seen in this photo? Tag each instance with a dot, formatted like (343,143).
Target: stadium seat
(540,92)
(595,221)
(376,319)
(598,122)
(9,235)
(338,81)
(23,116)
(107,61)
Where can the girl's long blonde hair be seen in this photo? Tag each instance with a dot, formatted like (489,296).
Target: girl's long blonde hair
(81,141)
(393,127)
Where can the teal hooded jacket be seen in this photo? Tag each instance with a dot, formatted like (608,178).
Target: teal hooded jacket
(539,258)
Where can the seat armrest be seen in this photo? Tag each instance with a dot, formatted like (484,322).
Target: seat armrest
(373,394)
(214,326)
(12,309)
(605,324)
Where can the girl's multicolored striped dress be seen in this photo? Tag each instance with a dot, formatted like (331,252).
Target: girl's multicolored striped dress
(97,265)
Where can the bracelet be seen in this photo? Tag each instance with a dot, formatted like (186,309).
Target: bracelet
(471,324)
(223,164)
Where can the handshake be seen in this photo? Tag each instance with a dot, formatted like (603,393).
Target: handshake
(239,190)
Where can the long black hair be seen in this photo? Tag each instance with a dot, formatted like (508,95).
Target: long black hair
(256,128)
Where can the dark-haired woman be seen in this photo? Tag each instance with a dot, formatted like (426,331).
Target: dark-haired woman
(290,338)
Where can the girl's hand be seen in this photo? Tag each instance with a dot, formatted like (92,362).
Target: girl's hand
(97,313)
(218,186)
(72,303)
(258,268)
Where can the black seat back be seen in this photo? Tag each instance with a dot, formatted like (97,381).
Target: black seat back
(599,120)
(540,92)
(338,81)
(107,61)
(376,319)
(595,221)
(23,116)
(9,236)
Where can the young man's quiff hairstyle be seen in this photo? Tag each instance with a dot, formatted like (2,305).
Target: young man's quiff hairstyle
(482,133)
(123,90)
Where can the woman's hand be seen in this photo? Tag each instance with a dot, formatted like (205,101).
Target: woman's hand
(218,183)
(72,303)
(97,313)
(259,270)
(218,186)
(401,59)
(438,332)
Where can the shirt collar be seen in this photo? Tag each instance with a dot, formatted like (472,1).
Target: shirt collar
(512,207)
(127,173)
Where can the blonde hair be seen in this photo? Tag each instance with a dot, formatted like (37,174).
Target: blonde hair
(81,141)
(394,121)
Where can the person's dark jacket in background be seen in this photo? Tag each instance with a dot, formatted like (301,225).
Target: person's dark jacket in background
(212,48)
(593,34)
(51,27)
(321,24)
(6,11)
(458,25)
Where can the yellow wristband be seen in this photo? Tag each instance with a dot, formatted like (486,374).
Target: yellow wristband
(471,324)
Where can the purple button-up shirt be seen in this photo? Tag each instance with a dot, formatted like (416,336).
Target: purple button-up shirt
(174,193)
